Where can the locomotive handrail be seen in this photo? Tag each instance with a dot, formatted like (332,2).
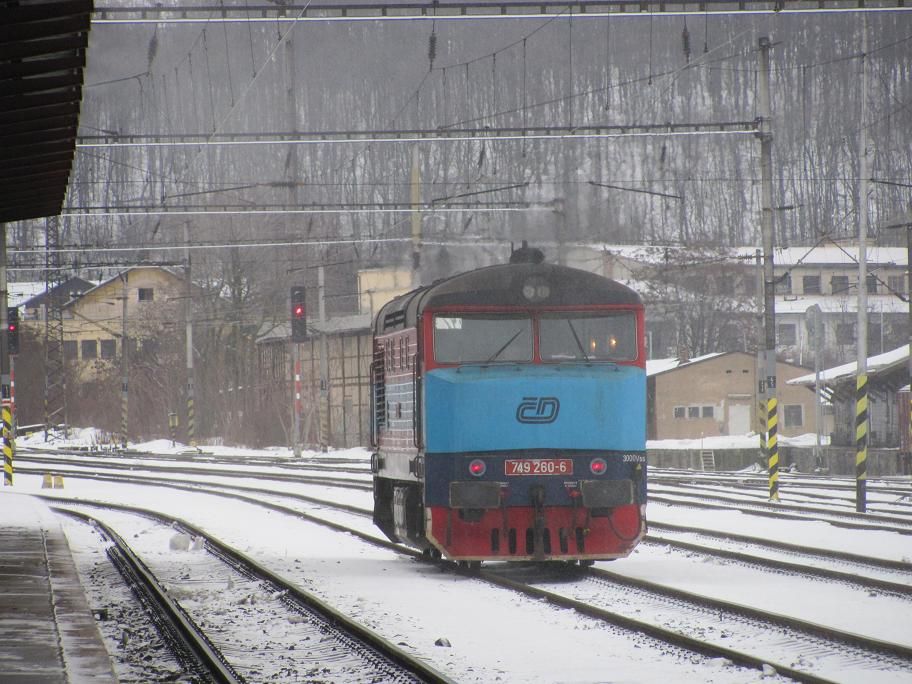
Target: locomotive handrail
(416,402)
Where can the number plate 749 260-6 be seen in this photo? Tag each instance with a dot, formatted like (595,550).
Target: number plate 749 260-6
(538,466)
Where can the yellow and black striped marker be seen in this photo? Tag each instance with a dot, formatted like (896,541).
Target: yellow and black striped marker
(772,445)
(861,443)
(9,446)
(191,422)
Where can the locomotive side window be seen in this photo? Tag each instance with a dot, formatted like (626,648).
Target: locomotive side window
(609,336)
(482,338)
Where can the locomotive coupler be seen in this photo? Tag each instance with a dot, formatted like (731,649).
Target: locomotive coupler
(538,537)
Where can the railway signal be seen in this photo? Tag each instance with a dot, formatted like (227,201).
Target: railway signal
(298,314)
(12,329)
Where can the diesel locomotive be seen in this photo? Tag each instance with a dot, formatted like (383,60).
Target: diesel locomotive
(509,415)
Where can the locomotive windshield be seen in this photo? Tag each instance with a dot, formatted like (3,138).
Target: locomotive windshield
(507,337)
(482,338)
(606,336)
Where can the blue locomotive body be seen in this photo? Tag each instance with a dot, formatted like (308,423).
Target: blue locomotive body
(509,408)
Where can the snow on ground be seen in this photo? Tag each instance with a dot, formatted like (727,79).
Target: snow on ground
(498,636)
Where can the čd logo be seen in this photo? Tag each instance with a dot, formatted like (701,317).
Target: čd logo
(538,410)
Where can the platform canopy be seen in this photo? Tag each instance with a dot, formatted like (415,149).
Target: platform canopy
(42,61)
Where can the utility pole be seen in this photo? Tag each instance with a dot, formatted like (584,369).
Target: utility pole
(861,385)
(415,201)
(291,175)
(188,318)
(769,279)
(761,359)
(814,316)
(5,376)
(324,364)
(124,365)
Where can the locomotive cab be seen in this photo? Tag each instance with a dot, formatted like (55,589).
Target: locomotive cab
(509,416)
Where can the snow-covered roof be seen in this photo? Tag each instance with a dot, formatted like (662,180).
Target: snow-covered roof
(830,304)
(875,364)
(656,366)
(19,293)
(828,254)
(334,325)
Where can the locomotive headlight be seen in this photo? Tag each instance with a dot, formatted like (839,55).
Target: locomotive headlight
(598,466)
(536,289)
(477,467)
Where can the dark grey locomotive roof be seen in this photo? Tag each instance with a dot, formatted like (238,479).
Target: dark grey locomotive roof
(503,285)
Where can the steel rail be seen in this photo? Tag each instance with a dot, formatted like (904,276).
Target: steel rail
(669,636)
(797,568)
(654,631)
(794,548)
(179,625)
(883,564)
(781,512)
(819,631)
(248,566)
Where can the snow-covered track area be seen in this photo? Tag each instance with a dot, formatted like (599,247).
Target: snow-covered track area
(712,596)
(299,637)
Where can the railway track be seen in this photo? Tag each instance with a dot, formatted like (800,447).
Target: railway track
(317,640)
(822,660)
(862,571)
(710,627)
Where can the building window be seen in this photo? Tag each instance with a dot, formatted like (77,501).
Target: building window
(871,282)
(784,284)
(811,284)
(793,415)
(89,349)
(108,349)
(707,411)
(845,333)
(897,284)
(146,294)
(70,349)
(679,412)
(693,411)
(839,284)
(787,333)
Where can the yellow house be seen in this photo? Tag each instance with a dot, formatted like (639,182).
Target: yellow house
(142,303)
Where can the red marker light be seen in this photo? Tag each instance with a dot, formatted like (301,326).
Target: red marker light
(477,467)
(598,466)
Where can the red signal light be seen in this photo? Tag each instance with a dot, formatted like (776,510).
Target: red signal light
(598,466)
(298,311)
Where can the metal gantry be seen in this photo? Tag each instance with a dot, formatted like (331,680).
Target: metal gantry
(410,10)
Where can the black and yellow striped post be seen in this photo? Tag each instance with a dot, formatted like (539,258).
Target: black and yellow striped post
(124,413)
(191,418)
(861,443)
(772,445)
(761,425)
(9,445)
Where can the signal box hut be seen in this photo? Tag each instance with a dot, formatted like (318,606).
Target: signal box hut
(716,395)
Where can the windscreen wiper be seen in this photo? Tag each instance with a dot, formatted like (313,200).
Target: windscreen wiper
(506,344)
(578,343)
